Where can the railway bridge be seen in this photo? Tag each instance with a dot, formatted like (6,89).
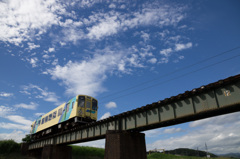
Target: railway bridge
(124,139)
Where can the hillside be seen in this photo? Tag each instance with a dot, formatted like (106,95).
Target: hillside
(189,152)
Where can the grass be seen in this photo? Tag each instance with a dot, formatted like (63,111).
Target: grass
(11,150)
(87,152)
(168,156)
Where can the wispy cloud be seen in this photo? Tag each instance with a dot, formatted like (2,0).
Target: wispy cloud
(217,132)
(172,130)
(19,122)
(5,111)
(31,106)
(4,94)
(15,135)
(180,47)
(87,76)
(40,93)
(19,119)
(24,18)
(32,46)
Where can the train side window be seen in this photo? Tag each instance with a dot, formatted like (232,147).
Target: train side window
(50,117)
(81,101)
(54,114)
(60,112)
(39,122)
(94,104)
(68,107)
(73,104)
(46,119)
(43,120)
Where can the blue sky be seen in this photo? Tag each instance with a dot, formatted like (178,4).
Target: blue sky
(124,53)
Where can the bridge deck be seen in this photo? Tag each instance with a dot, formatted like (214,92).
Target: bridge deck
(217,98)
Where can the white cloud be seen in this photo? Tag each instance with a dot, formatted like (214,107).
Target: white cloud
(55,62)
(106,115)
(33,61)
(180,47)
(51,49)
(164,60)
(15,126)
(19,119)
(32,46)
(145,36)
(220,133)
(153,133)
(31,106)
(112,22)
(72,34)
(172,130)
(97,143)
(87,76)
(166,52)
(15,135)
(41,93)
(152,60)
(112,5)
(111,105)
(23,18)
(108,26)
(5,111)
(4,94)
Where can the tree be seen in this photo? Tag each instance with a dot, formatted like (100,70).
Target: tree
(27,139)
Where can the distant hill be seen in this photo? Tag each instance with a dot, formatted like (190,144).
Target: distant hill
(188,152)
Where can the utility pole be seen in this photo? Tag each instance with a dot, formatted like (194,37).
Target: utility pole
(208,156)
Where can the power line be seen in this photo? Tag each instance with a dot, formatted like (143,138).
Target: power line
(170,73)
(166,81)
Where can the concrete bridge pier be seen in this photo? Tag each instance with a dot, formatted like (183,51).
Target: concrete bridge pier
(125,145)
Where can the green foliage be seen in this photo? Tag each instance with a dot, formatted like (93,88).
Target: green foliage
(9,146)
(189,152)
(87,152)
(27,139)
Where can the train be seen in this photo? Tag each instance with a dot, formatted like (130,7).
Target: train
(81,109)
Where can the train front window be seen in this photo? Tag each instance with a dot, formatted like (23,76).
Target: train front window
(94,104)
(81,101)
